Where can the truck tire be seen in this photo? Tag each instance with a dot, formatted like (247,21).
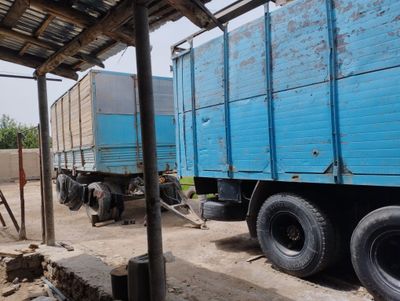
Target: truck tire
(101,202)
(69,192)
(295,235)
(223,211)
(375,251)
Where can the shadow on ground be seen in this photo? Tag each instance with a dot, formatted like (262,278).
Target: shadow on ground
(340,277)
(239,243)
(190,282)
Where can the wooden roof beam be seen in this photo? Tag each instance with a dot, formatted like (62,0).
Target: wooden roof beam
(15,13)
(34,62)
(195,11)
(74,16)
(114,19)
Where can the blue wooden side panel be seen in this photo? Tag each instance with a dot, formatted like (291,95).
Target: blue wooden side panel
(208,71)
(320,111)
(250,144)
(211,139)
(247,58)
(370,122)
(118,143)
(368,35)
(79,159)
(183,115)
(299,45)
(302,130)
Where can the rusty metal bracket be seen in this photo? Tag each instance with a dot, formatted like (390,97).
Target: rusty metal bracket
(184,210)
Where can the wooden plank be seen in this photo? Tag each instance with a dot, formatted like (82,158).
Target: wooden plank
(86,110)
(74,112)
(53,123)
(200,16)
(66,122)
(114,19)
(24,49)
(15,13)
(44,26)
(59,126)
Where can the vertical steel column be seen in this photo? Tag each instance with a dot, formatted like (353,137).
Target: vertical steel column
(22,182)
(146,102)
(41,189)
(46,159)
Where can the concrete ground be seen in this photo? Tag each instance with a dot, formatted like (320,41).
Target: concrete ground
(210,264)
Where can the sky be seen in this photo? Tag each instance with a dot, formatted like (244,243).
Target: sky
(18,98)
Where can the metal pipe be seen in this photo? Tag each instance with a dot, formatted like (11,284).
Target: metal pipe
(22,182)
(146,102)
(28,77)
(41,190)
(46,159)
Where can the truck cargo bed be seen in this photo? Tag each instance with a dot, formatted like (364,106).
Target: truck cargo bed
(308,93)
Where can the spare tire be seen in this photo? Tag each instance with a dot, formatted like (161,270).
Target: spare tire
(375,250)
(223,211)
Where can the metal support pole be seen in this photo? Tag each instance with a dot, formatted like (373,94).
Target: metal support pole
(22,182)
(41,190)
(146,101)
(46,159)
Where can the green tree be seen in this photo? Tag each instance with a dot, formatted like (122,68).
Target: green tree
(8,133)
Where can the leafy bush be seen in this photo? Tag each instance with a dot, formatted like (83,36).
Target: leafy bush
(8,134)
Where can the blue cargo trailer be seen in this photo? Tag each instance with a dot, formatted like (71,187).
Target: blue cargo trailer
(292,121)
(97,143)
(96,125)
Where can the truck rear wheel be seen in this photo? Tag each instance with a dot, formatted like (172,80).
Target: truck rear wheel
(295,235)
(100,205)
(375,250)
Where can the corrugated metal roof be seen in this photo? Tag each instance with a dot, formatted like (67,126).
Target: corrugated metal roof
(60,30)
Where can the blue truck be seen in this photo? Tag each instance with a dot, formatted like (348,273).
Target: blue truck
(292,123)
(97,144)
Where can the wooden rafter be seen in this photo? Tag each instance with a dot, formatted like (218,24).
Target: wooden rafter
(34,62)
(44,26)
(114,19)
(15,12)
(38,33)
(44,44)
(73,16)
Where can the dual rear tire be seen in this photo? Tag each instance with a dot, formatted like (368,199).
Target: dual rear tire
(295,235)
(299,238)
(375,253)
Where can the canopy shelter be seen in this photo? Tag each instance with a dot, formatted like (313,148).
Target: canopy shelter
(66,36)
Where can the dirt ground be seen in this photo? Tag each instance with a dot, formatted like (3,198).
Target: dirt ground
(210,264)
